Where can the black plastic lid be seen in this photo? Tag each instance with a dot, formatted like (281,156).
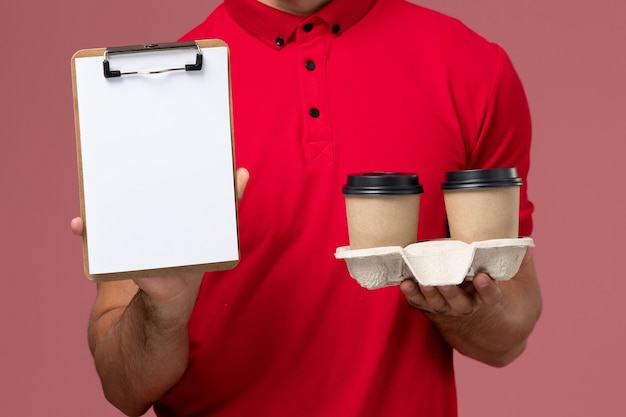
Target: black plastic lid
(481,178)
(383,183)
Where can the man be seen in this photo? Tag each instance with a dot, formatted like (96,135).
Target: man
(322,89)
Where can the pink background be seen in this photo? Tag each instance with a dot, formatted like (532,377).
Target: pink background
(571,56)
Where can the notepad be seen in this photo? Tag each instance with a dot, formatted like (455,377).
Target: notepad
(156,160)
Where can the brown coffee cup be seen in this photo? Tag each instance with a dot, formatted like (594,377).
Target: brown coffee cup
(382,208)
(482,204)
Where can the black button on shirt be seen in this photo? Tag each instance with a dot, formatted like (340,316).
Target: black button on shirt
(314,112)
(308,27)
(310,65)
(280,41)
(336,29)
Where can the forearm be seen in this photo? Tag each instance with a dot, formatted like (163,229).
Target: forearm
(140,352)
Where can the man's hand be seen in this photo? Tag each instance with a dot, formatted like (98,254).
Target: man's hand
(138,331)
(452,300)
(175,290)
(241,180)
(487,320)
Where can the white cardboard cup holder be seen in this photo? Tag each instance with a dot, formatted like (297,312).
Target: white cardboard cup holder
(435,262)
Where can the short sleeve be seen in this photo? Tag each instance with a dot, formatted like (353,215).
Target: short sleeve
(504,136)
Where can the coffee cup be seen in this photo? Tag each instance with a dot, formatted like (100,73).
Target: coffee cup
(482,204)
(382,208)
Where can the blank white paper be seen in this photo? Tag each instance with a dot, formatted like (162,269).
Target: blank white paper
(157,162)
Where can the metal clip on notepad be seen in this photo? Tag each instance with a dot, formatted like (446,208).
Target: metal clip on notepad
(108,73)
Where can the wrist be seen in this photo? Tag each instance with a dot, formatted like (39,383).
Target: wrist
(170,297)
(171,315)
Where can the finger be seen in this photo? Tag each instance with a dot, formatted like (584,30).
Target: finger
(76,224)
(241,180)
(458,300)
(435,300)
(488,289)
(413,295)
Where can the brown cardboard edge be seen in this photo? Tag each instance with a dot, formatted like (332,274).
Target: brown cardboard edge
(216,266)
(83,53)
(160,272)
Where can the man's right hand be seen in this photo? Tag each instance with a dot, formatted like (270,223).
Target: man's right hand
(138,331)
(172,290)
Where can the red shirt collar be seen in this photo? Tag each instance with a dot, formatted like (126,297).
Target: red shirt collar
(268,24)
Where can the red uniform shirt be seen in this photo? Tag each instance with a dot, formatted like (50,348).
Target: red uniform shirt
(360,85)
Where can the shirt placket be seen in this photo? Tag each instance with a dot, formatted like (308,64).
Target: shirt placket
(313,38)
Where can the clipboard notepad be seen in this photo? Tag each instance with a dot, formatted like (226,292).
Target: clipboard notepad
(155,159)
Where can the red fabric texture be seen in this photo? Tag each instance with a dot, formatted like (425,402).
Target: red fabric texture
(397,88)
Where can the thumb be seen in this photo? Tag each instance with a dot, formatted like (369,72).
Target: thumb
(77,226)
(241,180)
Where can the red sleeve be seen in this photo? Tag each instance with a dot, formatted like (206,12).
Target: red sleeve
(504,136)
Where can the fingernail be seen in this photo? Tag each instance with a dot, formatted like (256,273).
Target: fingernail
(407,288)
(482,280)
(427,289)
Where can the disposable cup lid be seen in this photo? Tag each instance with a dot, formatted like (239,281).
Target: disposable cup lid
(481,178)
(383,183)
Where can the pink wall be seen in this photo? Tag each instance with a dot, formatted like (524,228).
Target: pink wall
(572,59)
(571,56)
